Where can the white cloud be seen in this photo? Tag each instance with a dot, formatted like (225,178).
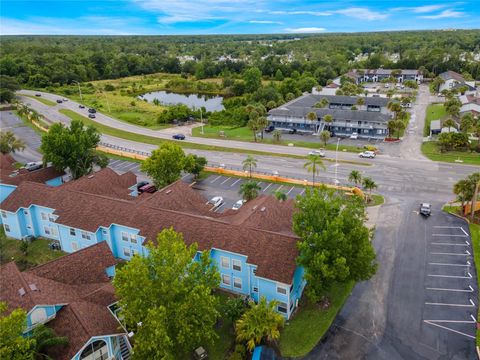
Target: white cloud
(421,9)
(444,14)
(305,30)
(313,13)
(264,22)
(362,13)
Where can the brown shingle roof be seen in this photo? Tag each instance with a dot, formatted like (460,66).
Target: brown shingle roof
(84,288)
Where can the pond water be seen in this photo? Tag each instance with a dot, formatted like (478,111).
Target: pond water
(210,102)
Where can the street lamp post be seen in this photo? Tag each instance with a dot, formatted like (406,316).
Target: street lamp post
(201,119)
(79,90)
(336,162)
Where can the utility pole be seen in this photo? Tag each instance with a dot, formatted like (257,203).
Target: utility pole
(336,162)
(79,90)
(474,201)
(201,119)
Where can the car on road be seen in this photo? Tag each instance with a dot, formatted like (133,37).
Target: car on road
(91,116)
(178,137)
(216,201)
(64,99)
(37,94)
(31,166)
(142,184)
(425,209)
(269,128)
(149,188)
(59,101)
(354,136)
(320,153)
(92,111)
(81,106)
(238,204)
(367,154)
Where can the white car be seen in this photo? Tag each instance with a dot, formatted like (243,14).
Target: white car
(367,154)
(238,204)
(31,166)
(320,153)
(216,201)
(354,136)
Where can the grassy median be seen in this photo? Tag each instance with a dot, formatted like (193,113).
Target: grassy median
(42,100)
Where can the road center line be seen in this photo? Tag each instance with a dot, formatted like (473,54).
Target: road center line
(454,290)
(447,227)
(235,182)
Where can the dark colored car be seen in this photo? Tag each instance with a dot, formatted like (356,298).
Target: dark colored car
(292,131)
(142,184)
(38,95)
(269,128)
(91,116)
(81,106)
(59,101)
(149,188)
(179,137)
(92,111)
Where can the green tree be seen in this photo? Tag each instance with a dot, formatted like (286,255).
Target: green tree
(234,308)
(13,345)
(322,103)
(249,190)
(312,116)
(262,123)
(281,196)
(360,101)
(449,123)
(260,322)
(395,107)
(328,119)
(249,164)
(464,191)
(194,165)
(324,136)
(45,338)
(369,185)
(355,176)
(271,104)
(334,245)
(399,127)
(277,135)
(166,298)
(8,88)
(253,79)
(254,124)
(466,123)
(73,148)
(313,165)
(9,143)
(279,75)
(165,165)
(391,126)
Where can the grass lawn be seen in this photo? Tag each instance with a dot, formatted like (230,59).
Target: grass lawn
(245,134)
(434,112)
(475,233)
(376,200)
(38,252)
(226,335)
(432,151)
(310,323)
(42,100)
(28,122)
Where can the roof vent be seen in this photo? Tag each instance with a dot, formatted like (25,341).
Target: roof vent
(33,287)
(255,207)
(91,176)
(263,208)
(168,191)
(21,291)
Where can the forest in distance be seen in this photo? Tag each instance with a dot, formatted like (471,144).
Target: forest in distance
(41,61)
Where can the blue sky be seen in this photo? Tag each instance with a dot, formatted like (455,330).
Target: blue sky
(124,17)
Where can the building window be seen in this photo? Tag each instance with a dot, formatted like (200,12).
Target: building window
(7,227)
(236,265)
(85,235)
(29,227)
(104,231)
(133,238)
(225,262)
(255,289)
(282,307)
(4,214)
(226,280)
(73,232)
(38,316)
(237,283)
(126,252)
(46,229)
(52,217)
(74,246)
(44,216)
(254,271)
(25,212)
(98,350)
(54,231)
(124,236)
(281,290)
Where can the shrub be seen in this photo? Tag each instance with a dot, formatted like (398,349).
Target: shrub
(239,353)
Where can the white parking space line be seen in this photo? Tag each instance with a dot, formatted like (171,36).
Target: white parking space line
(472,304)
(449,235)
(431,322)
(467,253)
(447,227)
(278,189)
(218,177)
(114,162)
(470,289)
(219,207)
(267,187)
(443,264)
(131,166)
(450,244)
(235,182)
(289,191)
(466,234)
(183,177)
(224,181)
(452,276)
(303,192)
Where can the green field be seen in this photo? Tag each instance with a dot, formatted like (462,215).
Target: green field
(245,134)
(434,112)
(42,100)
(310,323)
(432,151)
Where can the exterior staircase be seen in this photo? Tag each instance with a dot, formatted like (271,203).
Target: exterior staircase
(124,348)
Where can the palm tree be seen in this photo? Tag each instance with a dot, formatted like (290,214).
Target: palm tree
(328,119)
(45,338)
(324,136)
(466,123)
(399,126)
(312,116)
(395,107)
(9,143)
(249,190)
(280,195)
(449,123)
(313,165)
(360,101)
(369,184)
(249,163)
(277,135)
(391,126)
(259,322)
(253,124)
(463,190)
(322,103)
(355,177)
(262,123)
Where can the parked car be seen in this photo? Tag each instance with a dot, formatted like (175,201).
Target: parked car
(92,111)
(354,136)
(238,204)
(59,101)
(200,354)
(367,154)
(216,201)
(178,137)
(142,184)
(65,99)
(320,153)
(37,94)
(91,116)
(292,131)
(425,209)
(149,188)
(31,166)
(269,128)
(81,106)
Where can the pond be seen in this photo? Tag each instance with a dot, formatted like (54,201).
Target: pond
(210,102)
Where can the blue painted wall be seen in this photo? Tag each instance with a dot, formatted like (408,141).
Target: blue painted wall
(50,311)
(5,191)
